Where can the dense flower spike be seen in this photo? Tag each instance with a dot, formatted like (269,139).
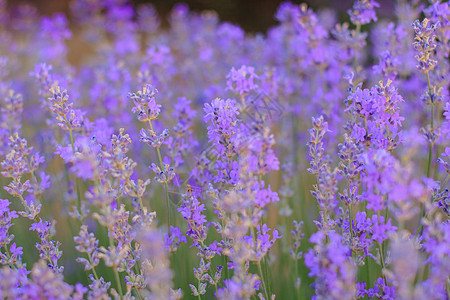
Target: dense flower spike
(86,243)
(145,104)
(186,158)
(425,44)
(48,249)
(379,118)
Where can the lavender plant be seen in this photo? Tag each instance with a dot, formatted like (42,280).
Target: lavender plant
(180,161)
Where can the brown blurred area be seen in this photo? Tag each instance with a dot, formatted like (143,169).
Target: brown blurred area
(251,15)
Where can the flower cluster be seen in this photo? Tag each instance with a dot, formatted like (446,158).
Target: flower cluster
(425,44)
(144,158)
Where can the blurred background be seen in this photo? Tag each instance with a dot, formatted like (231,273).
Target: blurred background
(251,15)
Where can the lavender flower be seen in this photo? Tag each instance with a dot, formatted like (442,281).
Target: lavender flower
(175,238)
(363,11)
(48,249)
(87,243)
(20,161)
(144,104)
(425,43)
(222,116)
(68,118)
(242,80)
(329,263)
(380,226)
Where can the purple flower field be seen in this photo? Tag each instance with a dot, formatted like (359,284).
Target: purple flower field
(194,160)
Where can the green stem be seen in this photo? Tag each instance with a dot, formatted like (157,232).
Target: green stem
(297,288)
(267,275)
(166,188)
(431,98)
(263,281)
(261,274)
(217,290)
(380,251)
(430,150)
(116,274)
(367,133)
(77,185)
(136,266)
(24,203)
(368,270)
(445,181)
(265,266)
(350,220)
(227,275)
(430,157)
(118,191)
(138,294)
(198,294)
(167,206)
(92,265)
(119,286)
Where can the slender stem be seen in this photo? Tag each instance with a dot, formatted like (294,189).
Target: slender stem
(138,294)
(119,286)
(265,264)
(367,133)
(116,274)
(140,202)
(445,181)
(167,206)
(160,159)
(77,185)
(436,169)
(350,220)
(118,191)
(227,275)
(430,157)
(368,270)
(157,147)
(431,98)
(297,288)
(24,203)
(136,266)
(217,290)
(198,292)
(380,251)
(93,268)
(261,274)
(71,140)
(430,150)
(267,275)
(263,281)
(166,188)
